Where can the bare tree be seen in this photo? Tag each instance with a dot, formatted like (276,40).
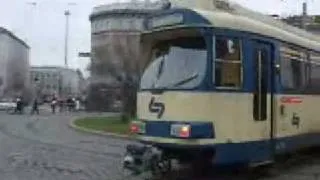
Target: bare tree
(126,51)
(119,57)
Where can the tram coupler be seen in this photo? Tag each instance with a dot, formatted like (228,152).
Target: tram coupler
(142,158)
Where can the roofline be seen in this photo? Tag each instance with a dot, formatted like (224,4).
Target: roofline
(5,31)
(51,67)
(116,12)
(138,8)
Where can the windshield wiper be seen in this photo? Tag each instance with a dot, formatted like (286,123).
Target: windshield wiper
(184,81)
(181,82)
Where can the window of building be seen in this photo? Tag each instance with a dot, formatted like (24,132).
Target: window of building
(100,25)
(132,24)
(42,76)
(139,24)
(115,23)
(36,77)
(106,24)
(228,67)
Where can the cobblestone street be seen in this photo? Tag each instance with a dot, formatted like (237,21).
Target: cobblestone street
(44,147)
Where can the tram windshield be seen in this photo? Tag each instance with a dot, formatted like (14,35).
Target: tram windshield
(176,64)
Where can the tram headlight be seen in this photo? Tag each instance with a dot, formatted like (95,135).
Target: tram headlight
(180,130)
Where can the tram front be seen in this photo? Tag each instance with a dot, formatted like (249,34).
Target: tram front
(172,109)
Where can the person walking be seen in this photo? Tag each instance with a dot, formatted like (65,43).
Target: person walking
(18,106)
(60,104)
(35,107)
(53,105)
(77,104)
(69,104)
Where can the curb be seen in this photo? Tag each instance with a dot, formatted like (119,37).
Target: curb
(72,125)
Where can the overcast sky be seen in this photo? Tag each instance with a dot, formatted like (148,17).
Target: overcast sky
(42,26)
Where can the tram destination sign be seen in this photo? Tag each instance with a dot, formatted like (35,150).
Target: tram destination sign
(168,20)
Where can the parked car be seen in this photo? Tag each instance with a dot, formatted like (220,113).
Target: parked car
(7,105)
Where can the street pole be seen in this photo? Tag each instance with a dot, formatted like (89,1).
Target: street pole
(67,14)
(304,15)
(29,32)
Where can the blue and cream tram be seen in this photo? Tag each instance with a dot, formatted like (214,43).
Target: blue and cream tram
(227,86)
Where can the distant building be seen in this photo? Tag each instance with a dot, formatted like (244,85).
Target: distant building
(298,20)
(113,24)
(59,81)
(14,66)
(310,23)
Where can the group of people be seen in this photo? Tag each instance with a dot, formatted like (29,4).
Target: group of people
(69,104)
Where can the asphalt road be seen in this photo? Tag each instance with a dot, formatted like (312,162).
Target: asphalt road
(44,147)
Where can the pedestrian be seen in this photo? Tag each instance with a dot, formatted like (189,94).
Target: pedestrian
(35,107)
(60,104)
(18,105)
(73,104)
(53,105)
(77,104)
(69,104)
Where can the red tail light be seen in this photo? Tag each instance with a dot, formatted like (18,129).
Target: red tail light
(137,127)
(185,132)
(181,130)
(134,128)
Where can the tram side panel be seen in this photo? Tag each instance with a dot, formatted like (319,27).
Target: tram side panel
(237,137)
(297,122)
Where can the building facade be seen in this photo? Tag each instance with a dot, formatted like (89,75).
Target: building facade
(14,66)
(58,81)
(115,48)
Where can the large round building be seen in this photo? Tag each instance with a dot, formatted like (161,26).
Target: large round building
(115,48)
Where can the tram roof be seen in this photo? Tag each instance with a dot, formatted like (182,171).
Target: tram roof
(276,30)
(230,15)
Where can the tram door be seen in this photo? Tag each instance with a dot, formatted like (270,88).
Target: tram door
(263,96)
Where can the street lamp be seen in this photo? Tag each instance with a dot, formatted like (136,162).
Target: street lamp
(66,39)
(32,3)
(67,14)
(30,33)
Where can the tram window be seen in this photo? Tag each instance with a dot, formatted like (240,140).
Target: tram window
(228,62)
(293,72)
(314,86)
(298,68)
